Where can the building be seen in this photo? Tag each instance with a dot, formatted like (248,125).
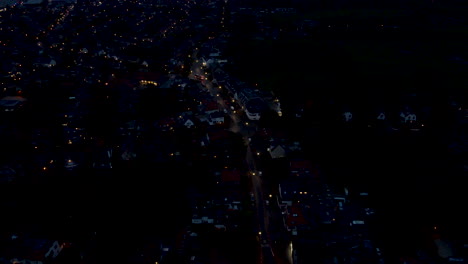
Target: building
(26,250)
(5,3)
(251,102)
(11,103)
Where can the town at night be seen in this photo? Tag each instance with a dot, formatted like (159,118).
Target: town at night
(233,131)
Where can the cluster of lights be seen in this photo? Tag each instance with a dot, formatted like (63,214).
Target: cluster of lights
(61,18)
(145,82)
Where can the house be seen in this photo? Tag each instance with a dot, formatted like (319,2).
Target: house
(381,116)
(144,64)
(444,248)
(217,117)
(11,103)
(409,118)
(295,218)
(45,62)
(277,151)
(83,51)
(102,158)
(347,116)
(101,53)
(6,3)
(129,126)
(203,212)
(210,107)
(326,212)
(188,122)
(205,119)
(202,219)
(60,3)
(407,115)
(287,192)
(128,154)
(300,167)
(7,174)
(26,250)
(167,83)
(73,160)
(294,147)
(33,2)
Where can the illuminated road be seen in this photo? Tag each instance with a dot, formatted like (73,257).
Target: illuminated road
(269,218)
(198,69)
(246,129)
